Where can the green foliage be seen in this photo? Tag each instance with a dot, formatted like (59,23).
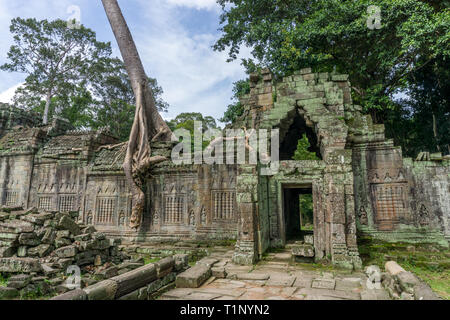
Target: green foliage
(236,109)
(302,152)
(57,60)
(307,210)
(76,74)
(114,102)
(3,280)
(332,35)
(421,120)
(187,120)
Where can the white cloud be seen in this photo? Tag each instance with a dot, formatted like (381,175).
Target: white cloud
(193,76)
(7,95)
(173,50)
(196,4)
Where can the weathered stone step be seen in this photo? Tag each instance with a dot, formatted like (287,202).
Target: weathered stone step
(194,277)
(252,276)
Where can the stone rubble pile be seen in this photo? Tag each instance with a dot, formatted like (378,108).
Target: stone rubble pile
(36,248)
(405,285)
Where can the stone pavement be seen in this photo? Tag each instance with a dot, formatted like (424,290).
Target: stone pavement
(276,278)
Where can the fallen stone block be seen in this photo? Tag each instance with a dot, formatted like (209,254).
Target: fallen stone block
(7,252)
(62,242)
(309,239)
(219,272)
(108,272)
(8,236)
(181,261)
(16,226)
(49,236)
(133,280)
(22,251)
(19,265)
(164,267)
(104,290)
(73,295)
(193,277)
(89,229)
(305,250)
(66,252)
(62,234)
(48,270)
(393,268)
(19,281)
(38,219)
(129,265)
(66,223)
(155,286)
(29,239)
(422,291)
(41,250)
(209,262)
(407,281)
(8,243)
(4,216)
(83,237)
(8,293)
(137,295)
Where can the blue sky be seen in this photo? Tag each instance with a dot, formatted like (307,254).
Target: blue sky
(174,38)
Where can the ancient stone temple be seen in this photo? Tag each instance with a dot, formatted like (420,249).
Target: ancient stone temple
(360,186)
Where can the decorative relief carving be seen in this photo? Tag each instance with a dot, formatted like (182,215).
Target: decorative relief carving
(106,207)
(203,216)
(389,176)
(174,208)
(45,203)
(11,198)
(362,215)
(122,218)
(192,218)
(223,204)
(155,217)
(90,218)
(66,202)
(423,216)
(389,204)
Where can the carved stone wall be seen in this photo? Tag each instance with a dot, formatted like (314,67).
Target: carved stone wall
(191,202)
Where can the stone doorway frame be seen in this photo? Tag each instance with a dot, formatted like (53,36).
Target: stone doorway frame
(282,186)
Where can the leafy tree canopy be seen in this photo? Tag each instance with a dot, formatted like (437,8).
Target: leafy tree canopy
(187,121)
(290,34)
(236,109)
(57,60)
(72,75)
(302,152)
(333,35)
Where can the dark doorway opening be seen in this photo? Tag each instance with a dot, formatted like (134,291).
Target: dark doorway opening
(298,213)
(296,132)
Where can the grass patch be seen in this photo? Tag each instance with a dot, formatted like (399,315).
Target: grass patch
(3,280)
(428,262)
(149,260)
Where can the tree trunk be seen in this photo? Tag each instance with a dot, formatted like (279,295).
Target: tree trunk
(435,131)
(47,108)
(148,124)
